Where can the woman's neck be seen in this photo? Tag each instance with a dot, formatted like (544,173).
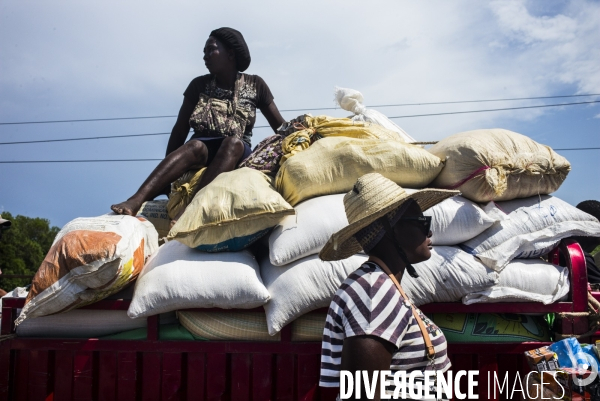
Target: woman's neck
(388,256)
(226,79)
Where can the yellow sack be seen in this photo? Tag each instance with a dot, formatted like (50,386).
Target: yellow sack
(156,213)
(498,165)
(332,165)
(231,212)
(181,191)
(325,126)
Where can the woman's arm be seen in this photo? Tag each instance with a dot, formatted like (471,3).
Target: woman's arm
(271,113)
(181,129)
(368,353)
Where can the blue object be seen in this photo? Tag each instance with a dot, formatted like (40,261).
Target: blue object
(234,244)
(589,350)
(570,354)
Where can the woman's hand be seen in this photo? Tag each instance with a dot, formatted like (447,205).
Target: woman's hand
(368,353)
(271,113)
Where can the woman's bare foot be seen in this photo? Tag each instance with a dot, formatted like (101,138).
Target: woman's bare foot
(130,207)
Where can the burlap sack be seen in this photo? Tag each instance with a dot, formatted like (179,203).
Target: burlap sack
(332,165)
(234,210)
(498,165)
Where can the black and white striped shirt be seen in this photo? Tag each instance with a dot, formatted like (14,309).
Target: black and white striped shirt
(368,303)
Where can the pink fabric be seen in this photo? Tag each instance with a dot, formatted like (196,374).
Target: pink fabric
(472,175)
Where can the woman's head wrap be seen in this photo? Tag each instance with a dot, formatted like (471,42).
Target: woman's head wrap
(235,41)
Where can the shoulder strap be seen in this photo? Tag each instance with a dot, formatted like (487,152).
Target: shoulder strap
(429,349)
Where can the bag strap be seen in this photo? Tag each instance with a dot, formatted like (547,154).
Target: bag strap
(429,349)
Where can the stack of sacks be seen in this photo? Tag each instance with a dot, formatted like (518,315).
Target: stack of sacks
(299,281)
(527,229)
(233,211)
(90,259)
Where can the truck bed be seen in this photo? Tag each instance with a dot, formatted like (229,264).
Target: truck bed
(154,369)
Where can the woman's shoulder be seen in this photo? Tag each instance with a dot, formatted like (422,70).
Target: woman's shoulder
(201,79)
(368,275)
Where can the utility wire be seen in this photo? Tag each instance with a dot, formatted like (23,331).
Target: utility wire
(307,109)
(153,160)
(486,110)
(267,126)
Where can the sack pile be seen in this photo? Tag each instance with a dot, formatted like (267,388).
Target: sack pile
(487,242)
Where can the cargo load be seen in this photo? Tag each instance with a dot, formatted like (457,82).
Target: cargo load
(90,259)
(498,165)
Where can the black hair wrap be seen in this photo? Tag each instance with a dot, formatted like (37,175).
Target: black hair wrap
(234,40)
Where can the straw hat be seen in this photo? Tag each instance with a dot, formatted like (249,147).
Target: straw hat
(372,197)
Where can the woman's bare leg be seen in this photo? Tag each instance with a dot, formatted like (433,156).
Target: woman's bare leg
(226,159)
(171,168)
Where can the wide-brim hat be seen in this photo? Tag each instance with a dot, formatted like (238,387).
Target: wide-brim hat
(372,197)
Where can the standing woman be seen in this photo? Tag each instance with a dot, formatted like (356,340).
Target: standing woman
(371,324)
(221,108)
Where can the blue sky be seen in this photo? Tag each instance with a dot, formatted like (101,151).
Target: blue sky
(77,60)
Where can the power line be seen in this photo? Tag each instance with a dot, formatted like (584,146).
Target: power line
(82,139)
(267,126)
(503,109)
(153,160)
(307,109)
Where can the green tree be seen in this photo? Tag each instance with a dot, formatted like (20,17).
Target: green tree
(23,248)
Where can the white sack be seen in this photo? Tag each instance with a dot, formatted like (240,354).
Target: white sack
(84,323)
(302,286)
(352,100)
(534,227)
(179,277)
(526,280)
(457,220)
(307,232)
(447,276)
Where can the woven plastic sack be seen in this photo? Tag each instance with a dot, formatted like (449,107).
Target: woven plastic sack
(302,286)
(525,280)
(457,220)
(178,277)
(156,213)
(332,166)
(532,227)
(352,100)
(308,231)
(447,276)
(227,326)
(499,165)
(84,323)
(231,212)
(181,192)
(90,259)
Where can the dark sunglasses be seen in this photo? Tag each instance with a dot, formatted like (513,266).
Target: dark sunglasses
(424,222)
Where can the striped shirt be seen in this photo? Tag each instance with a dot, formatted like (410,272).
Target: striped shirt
(368,303)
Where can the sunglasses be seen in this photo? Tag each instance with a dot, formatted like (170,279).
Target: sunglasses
(423,222)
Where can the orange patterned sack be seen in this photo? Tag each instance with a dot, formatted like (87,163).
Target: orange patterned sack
(90,259)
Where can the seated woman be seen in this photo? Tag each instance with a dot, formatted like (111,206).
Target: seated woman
(371,324)
(221,108)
